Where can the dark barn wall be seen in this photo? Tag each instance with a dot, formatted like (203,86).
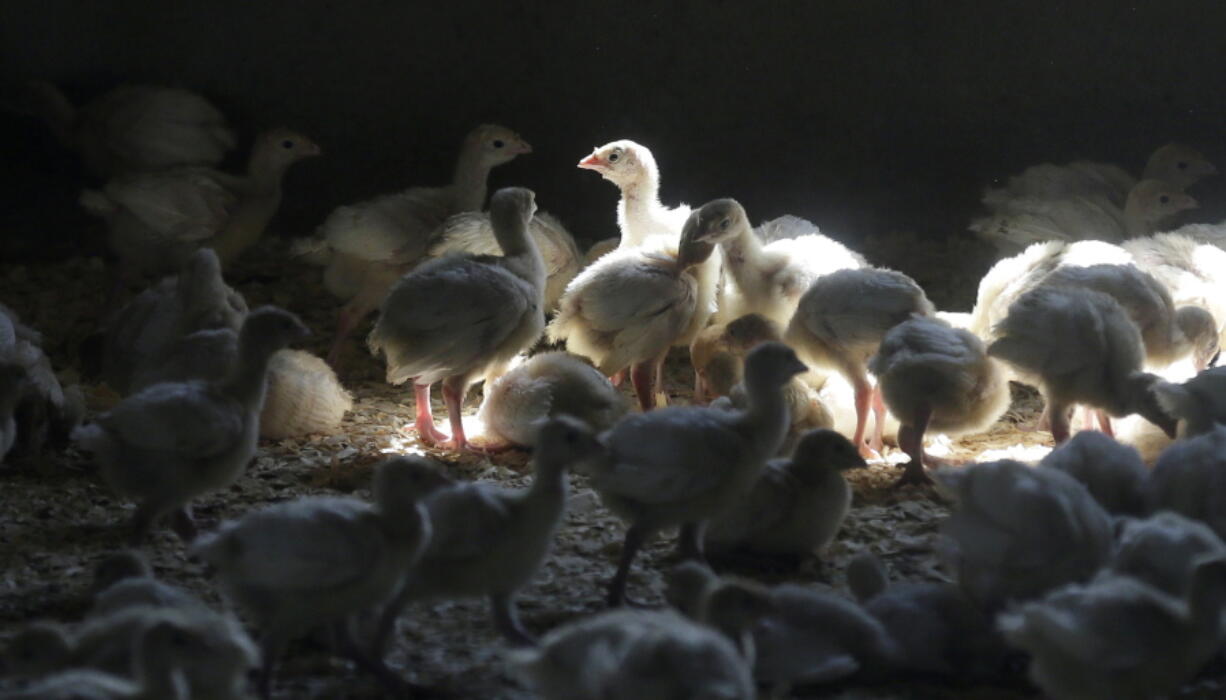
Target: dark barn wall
(864,116)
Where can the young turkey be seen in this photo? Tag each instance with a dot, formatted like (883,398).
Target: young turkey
(633,304)
(797,505)
(483,311)
(321,560)
(684,465)
(936,377)
(136,128)
(767,278)
(488,541)
(171,442)
(472,232)
(547,385)
(1027,220)
(367,246)
(839,324)
(1081,347)
(1021,531)
(1116,638)
(157,220)
(1173,163)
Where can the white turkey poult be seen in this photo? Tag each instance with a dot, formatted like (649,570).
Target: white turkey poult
(593,318)
(1173,163)
(1026,220)
(546,385)
(171,442)
(1083,348)
(640,215)
(482,311)
(633,304)
(136,128)
(936,377)
(304,397)
(367,246)
(157,220)
(839,324)
(769,278)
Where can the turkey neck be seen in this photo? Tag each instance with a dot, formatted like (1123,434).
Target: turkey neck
(744,254)
(520,254)
(1135,223)
(468,186)
(767,416)
(259,198)
(249,378)
(548,490)
(639,203)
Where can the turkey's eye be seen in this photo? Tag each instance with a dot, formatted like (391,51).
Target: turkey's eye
(1164,199)
(614,156)
(723,225)
(1181,165)
(498,143)
(287,144)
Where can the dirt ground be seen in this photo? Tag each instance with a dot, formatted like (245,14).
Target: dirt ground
(58,521)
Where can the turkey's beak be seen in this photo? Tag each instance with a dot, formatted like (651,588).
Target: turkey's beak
(311,148)
(593,162)
(523,147)
(1188,202)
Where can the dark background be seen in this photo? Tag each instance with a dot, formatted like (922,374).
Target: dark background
(866,117)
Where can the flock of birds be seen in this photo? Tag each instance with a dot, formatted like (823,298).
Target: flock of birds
(1109,576)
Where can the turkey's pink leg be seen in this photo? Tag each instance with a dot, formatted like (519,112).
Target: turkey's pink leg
(347,319)
(641,376)
(1087,417)
(453,396)
(875,443)
(425,417)
(659,396)
(1104,423)
(1059,423)
(700,389)
(864,395)
(618,377)
(911,441)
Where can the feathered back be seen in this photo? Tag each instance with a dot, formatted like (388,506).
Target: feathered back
(304,397)
(1022,531)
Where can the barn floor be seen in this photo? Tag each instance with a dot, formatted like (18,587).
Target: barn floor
(57,521)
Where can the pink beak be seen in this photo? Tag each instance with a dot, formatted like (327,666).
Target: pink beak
(592,162)
(524,147)
(1189,202)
